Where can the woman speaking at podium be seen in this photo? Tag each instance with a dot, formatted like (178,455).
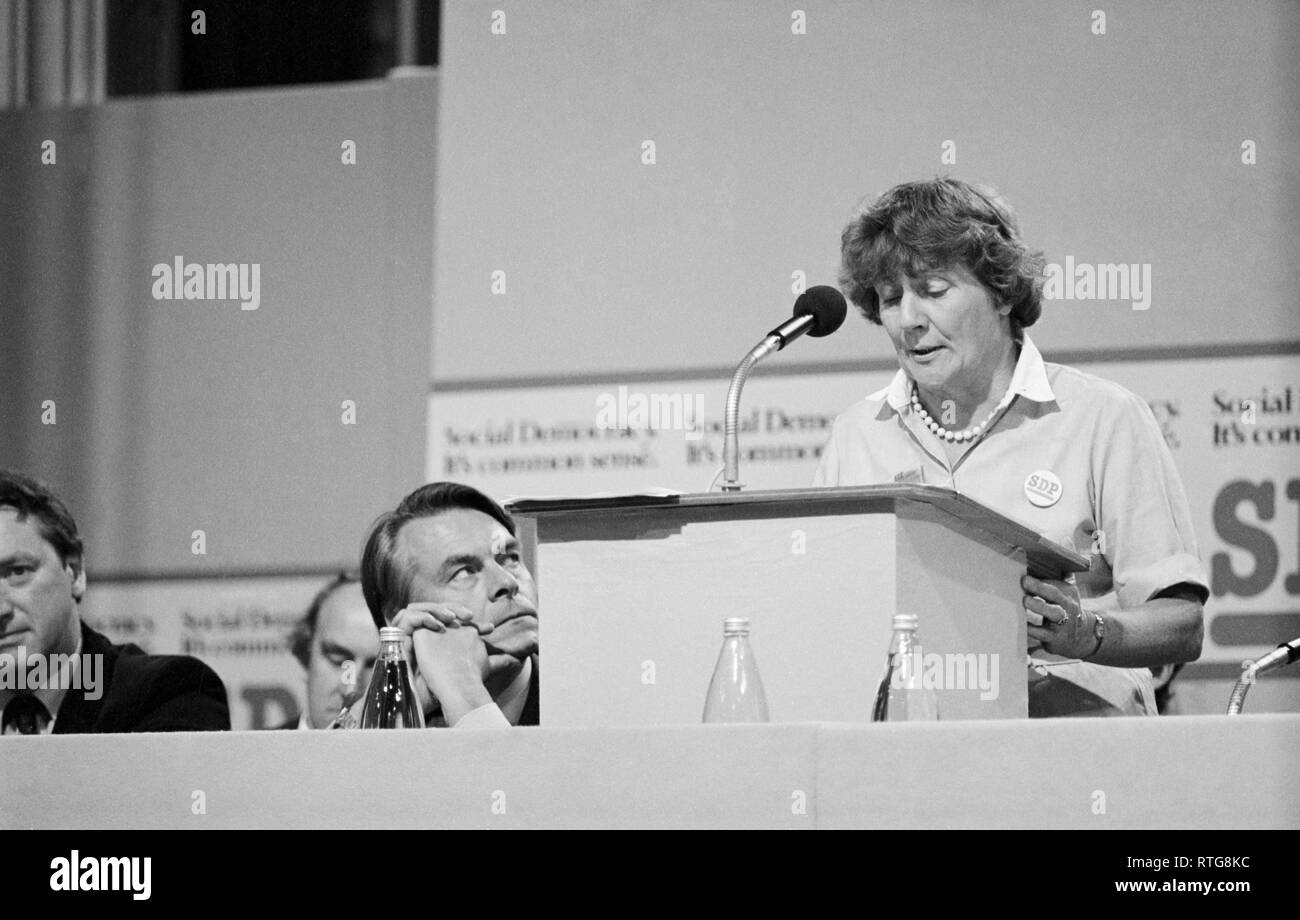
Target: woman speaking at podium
(942,266)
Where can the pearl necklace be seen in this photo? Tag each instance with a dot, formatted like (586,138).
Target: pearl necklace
(966,434)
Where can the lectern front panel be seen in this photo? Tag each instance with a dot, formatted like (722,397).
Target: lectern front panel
(634,591)
(631,627)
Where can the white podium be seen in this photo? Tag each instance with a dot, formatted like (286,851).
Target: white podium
(633,591)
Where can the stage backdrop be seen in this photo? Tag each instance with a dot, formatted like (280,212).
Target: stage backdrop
(632,193)
(626,194)
(636,186)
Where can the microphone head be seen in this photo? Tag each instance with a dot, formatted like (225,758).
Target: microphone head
(825,305)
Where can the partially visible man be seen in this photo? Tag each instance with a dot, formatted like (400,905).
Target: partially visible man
(446,567)
(337,643)
(58,675)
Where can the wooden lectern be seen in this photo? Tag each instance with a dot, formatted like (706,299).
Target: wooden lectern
(634,589)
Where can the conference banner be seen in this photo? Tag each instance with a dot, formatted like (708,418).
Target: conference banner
(239,626)
(1232,425)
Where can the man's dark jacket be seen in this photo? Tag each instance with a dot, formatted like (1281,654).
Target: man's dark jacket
(144,693)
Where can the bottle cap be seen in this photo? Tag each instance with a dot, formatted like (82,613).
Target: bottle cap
(905,621)
(735,626)
(391,633)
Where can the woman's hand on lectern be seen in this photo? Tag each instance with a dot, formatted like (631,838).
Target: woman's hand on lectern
(1056,618)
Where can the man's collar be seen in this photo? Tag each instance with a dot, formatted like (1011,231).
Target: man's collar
(51,697)
(1029,380)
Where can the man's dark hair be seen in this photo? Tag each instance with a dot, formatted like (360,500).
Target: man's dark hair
(305,629)
(385,579)
(32,498)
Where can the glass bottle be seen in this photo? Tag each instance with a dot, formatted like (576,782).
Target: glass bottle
(390,700)
(902,696)
(736,690)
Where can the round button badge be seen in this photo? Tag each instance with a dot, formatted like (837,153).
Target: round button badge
(1043,488)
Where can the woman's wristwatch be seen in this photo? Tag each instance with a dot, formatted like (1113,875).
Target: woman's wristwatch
(1098,630)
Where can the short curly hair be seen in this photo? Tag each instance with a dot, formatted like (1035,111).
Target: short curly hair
(935,224)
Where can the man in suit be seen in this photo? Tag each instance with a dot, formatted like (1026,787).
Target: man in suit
(445,566)
(337,644)
(73,680)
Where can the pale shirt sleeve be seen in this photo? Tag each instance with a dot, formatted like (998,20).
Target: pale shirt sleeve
(486,717)
(1144,524)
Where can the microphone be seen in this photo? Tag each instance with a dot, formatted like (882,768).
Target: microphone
(1280,657)
(1285,654)
(819,311)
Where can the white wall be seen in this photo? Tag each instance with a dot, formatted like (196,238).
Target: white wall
(176,416)
(1122,147)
